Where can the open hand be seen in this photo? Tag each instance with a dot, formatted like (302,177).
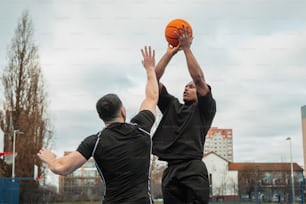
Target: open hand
(148,57)
(46,155)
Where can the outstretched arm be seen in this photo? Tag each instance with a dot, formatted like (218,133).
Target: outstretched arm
(163,62)
(151,91)
(194,68)
(63,165)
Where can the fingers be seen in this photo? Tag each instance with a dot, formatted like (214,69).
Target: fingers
(46,155)
(43,151)
(183,33)
(148,56)
(40,153)
(148,52)
(184,38)
(143,53)
(185,30)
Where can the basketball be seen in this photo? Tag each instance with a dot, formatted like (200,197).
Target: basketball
(171,29)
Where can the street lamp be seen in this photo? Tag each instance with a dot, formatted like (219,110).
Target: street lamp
(292,176)
(14,145)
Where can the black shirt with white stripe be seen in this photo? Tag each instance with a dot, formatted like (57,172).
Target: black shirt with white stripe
(122,157)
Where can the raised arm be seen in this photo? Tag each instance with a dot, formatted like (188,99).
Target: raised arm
(62,165)
(164,61)
(151,90)
(194,68)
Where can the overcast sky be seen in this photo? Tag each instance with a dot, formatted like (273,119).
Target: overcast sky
(252,53)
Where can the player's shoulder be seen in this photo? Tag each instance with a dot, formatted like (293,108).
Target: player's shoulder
(143,116)
(92,137)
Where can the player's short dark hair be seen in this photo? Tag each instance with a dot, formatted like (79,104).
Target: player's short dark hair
(108,107)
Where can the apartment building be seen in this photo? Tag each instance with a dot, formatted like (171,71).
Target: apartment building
(220,141)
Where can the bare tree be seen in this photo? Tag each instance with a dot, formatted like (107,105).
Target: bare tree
(247,181)
(25,101)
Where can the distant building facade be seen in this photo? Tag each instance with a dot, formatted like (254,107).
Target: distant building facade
(271,181)
(220,141)
(84,184)
(303,111)
(237,181)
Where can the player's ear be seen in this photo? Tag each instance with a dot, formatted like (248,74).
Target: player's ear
(123,112)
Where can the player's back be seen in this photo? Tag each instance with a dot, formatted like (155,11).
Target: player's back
(124,161)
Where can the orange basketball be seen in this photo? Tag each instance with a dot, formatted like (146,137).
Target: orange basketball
(171,29)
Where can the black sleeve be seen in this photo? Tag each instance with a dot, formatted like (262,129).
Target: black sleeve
(144,119)
(164,99)
(207,105)
(87,145)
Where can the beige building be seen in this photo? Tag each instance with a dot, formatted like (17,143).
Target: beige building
(303,110)
(220,141)
(245,180)
(83,184)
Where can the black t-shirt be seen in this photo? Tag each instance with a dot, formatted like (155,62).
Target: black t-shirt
(183,127)
(122,156)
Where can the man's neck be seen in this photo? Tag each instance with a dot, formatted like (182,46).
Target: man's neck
(116,120)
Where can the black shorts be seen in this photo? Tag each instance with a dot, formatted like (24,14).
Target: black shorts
(185,183)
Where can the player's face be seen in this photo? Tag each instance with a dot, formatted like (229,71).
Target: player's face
(190,92)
